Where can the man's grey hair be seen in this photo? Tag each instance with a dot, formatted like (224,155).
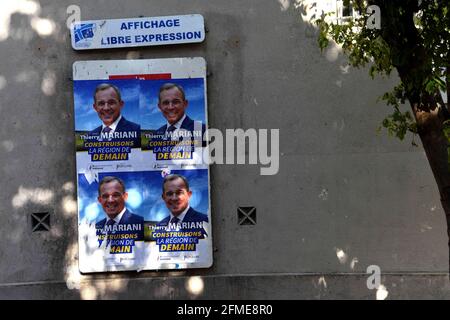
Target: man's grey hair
(104,86)
(168,86)
(172,177)
(108,179)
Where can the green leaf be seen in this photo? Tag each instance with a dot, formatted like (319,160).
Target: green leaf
(446,129)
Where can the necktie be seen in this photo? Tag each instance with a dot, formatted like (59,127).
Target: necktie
(107,130)
(172,128)
(174,220)
(109,223)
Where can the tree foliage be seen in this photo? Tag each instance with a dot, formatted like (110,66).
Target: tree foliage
(414,39)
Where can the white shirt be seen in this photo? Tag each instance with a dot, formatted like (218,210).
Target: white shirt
(177,125)
(107,243)
(113,125)
(118,217)
(181,215)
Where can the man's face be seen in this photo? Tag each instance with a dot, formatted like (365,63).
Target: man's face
(172,105)
(107,105)
(112,198)
(176,196)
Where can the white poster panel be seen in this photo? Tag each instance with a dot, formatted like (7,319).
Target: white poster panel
(143,190)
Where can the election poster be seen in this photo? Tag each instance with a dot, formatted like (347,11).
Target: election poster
(143,188)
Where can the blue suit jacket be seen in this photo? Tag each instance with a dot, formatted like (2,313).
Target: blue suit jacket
(187,124)
(191,216)
(127,218)
(123,126)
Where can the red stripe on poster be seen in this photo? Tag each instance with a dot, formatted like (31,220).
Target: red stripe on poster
(154,76)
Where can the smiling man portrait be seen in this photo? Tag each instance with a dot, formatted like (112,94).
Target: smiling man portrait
(176,195)
(108,104)
(112,196)
(172,103)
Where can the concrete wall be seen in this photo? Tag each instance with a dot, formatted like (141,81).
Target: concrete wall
(341,186)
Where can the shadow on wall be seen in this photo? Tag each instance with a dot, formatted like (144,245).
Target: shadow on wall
(39,170)
(39,167)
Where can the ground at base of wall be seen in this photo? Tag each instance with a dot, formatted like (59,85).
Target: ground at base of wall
(242,287)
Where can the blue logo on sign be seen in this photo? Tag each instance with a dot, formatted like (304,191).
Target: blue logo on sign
(84,32)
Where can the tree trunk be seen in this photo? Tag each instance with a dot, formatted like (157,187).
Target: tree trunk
(414,66)
(430,129)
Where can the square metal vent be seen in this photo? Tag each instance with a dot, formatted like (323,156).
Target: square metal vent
(246,215)
(40,221)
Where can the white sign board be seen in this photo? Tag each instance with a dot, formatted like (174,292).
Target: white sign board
(137,32)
